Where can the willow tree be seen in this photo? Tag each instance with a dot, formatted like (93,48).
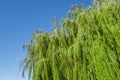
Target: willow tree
(85,46)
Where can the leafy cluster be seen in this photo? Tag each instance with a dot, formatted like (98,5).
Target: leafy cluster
(86,47)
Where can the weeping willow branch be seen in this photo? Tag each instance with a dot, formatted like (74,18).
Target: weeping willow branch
(86,47)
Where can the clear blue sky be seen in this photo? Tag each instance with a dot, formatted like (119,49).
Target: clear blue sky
(18,20)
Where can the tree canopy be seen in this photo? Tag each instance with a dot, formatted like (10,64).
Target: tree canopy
(83,46)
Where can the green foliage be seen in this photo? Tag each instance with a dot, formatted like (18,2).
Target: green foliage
(86,47)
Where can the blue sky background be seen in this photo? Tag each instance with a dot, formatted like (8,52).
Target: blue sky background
(18,20)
